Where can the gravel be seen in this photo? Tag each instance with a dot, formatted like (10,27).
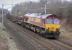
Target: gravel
(6,42)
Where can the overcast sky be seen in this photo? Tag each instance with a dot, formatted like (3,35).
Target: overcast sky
(8,4)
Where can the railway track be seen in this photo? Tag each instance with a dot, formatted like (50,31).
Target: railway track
(38,42)
(55,42)
(60,40)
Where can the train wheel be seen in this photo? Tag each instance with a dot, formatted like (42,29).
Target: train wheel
(28,25)
(40,31)
(37,30)
(34,29)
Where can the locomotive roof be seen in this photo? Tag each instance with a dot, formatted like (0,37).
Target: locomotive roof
(31,15)
(44,16)
(39,16)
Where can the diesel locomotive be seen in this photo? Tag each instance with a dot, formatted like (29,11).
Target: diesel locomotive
(47,25)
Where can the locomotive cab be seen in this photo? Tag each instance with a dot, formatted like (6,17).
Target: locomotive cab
(52,25)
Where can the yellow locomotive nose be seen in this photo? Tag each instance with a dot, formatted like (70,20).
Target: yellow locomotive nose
(52,27)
